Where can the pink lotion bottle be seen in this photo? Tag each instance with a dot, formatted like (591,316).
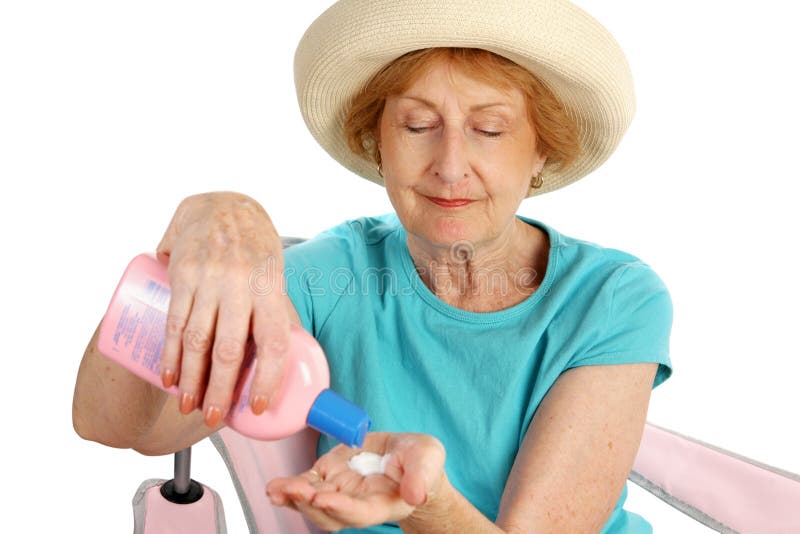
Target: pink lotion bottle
(132,334)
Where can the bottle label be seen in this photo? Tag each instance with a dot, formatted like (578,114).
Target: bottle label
(141,327)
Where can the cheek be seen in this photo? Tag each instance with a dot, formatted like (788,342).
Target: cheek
(520,160)
(403,158)
(506,165)
(508,182)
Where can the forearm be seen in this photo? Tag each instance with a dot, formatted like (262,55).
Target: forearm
(111,405)
(449,512)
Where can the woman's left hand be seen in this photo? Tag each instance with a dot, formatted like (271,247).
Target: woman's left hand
(333,496)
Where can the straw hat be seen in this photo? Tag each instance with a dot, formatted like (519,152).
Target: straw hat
(572,53)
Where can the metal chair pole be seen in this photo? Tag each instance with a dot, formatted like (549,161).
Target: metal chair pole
(182,489)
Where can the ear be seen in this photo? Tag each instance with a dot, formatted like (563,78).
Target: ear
(539,164)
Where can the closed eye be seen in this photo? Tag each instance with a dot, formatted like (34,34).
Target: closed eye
(423,129)
(417,129)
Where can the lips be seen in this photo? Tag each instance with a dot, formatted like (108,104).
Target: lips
(450,203)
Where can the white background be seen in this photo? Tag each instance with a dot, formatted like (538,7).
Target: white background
(112,112)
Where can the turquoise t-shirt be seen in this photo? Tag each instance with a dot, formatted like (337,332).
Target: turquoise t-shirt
(471,379)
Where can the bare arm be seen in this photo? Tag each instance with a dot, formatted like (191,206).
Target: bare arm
(110,404)
(578,450)
(572,465)
(114,407)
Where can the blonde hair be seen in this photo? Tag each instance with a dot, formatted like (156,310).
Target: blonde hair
(556,131)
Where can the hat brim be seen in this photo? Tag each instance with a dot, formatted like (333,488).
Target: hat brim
(566,48)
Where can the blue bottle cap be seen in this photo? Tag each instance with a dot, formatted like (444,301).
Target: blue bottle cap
(339,418)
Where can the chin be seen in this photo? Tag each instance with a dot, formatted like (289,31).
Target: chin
(446,230)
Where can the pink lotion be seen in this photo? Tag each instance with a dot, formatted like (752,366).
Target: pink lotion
(132,334)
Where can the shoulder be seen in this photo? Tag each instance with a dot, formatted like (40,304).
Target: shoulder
(373,230)
(345,242)
(590,252)
(621,289)
(588,259)
(584,274)
(320,271)
(623,306)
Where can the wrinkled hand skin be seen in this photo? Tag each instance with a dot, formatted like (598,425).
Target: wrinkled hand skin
(333,496)
(221,219)
(215,244)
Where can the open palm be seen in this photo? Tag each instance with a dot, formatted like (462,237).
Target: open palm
(334,497)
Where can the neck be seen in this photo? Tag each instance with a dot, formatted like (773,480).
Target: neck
(484,276)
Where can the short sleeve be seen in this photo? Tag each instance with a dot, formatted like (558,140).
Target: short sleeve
(638,323)
(317,273)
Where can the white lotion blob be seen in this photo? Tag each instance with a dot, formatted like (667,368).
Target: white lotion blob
(368,463)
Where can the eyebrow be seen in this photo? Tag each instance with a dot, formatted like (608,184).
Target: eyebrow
(476,107)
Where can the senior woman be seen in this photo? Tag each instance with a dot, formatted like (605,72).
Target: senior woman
(507,367)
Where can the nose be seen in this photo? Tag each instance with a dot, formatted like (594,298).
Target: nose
(450,161)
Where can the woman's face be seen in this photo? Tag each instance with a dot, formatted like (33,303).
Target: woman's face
(453,138)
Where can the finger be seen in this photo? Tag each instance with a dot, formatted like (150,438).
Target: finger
(271,335)
(180,305)
(276,494)
(294,488)
(230,339)
(196,348)
(302,499)
(361,511)
(423,469)
(277,487)
(288,503)
(276,490)
(284,492)
(319,517)
(393,470)
(278,498)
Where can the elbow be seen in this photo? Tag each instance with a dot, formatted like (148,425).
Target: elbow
(146,448)
(79,423)
(87,431)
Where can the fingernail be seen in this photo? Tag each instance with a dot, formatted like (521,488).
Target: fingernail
(213,416)
(186,404)
(168,378)
(259,404)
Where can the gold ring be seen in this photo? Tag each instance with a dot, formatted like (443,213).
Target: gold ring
(315,474)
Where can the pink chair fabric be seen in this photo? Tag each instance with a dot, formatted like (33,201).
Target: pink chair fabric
(722,490)
(725,491)
(253,464)
(153,514)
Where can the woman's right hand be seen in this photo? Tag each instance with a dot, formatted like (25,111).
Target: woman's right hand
(226,279)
